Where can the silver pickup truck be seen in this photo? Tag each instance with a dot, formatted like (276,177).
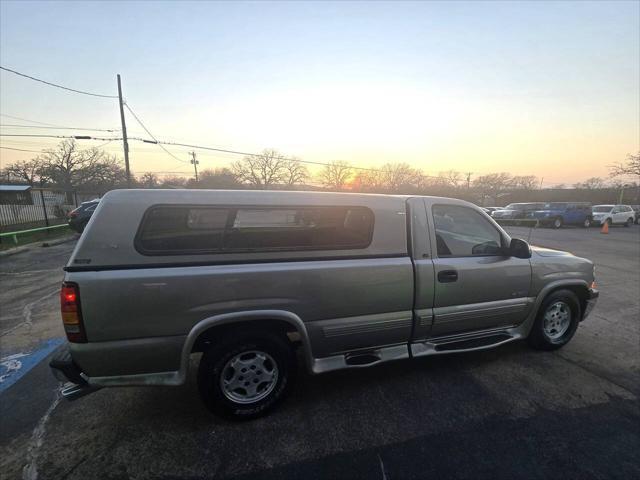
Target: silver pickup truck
(257,280)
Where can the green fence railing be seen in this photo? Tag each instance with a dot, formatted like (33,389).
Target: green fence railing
(14,235)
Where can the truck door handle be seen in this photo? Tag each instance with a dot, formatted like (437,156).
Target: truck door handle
(447,276)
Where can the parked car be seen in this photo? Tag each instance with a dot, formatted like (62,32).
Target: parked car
(557,214)
(490,210)
(79,217)
(516,211)
(248,277)
(636,210)
(614,215)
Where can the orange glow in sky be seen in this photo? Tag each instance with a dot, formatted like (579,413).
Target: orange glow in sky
(550,89)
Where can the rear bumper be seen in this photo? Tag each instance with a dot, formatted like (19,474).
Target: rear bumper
(591,302)
(65,370)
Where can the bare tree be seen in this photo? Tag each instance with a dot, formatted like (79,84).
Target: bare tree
(630,167)
(493,185)
(525,182)
(174,181)
(335,175)
(368,181)
(149,180)
(399,176)
(295,172)
(28,171)
(263,170)
(70,168)
(220,178)
(452,178)
(593,183)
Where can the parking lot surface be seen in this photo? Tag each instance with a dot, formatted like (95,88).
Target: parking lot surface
(503,413)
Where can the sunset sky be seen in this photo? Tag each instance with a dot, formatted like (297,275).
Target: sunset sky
(544,88)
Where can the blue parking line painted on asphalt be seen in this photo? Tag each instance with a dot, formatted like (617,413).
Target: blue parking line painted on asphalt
(10,374)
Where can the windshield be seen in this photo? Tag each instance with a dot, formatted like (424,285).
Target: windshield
(603,209)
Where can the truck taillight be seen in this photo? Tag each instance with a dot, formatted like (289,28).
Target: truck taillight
(71,313)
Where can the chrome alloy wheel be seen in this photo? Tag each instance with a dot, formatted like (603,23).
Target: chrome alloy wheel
(557,320)
(249,377)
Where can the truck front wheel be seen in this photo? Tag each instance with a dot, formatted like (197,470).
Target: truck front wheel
(245,376)
(556,321)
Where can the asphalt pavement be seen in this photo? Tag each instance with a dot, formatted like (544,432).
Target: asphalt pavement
(510,412)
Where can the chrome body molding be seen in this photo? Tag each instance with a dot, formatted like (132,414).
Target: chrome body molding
(366,324)
(484,309)
(424,317)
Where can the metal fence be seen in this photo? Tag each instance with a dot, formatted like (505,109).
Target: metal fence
(44,208)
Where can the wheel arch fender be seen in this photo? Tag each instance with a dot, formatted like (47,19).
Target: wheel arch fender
(238,318)
(575,285)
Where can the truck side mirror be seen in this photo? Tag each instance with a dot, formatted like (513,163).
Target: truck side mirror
(519,248)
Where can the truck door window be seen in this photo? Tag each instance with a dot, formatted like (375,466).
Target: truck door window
(463,232)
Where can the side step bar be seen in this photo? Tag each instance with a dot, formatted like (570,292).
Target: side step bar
(466,342)
(71,391)
(472,343)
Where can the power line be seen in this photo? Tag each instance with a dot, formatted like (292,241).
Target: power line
(151,135)
(27,120)
(74,137)
(13,125)
(237,152)
(21,150)
(56,85)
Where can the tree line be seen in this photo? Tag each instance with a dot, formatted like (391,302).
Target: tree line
(93,170)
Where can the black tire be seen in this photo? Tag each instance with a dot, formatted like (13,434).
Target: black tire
(214,361)
(587,222)
(629,222)
(538,337)
(557,222)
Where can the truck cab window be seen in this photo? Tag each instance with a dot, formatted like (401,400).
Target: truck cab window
(463,232)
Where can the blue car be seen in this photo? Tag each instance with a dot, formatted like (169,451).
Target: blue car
(557,214)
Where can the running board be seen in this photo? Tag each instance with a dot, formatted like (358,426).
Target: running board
(464,342)
(472,343)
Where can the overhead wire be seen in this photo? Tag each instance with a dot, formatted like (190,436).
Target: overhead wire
(28,120)
(151,134)
(74,137)
(20,149)
(56,85)
(13,125)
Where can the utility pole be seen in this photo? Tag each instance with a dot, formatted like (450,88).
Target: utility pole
(194,162)
(125,144)
(469,180)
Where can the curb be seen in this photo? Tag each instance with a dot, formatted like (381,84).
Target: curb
(31,246)
(59,241)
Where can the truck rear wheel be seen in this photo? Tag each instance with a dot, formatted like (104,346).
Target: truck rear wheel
(245,376)
(557,222)
(556,321)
